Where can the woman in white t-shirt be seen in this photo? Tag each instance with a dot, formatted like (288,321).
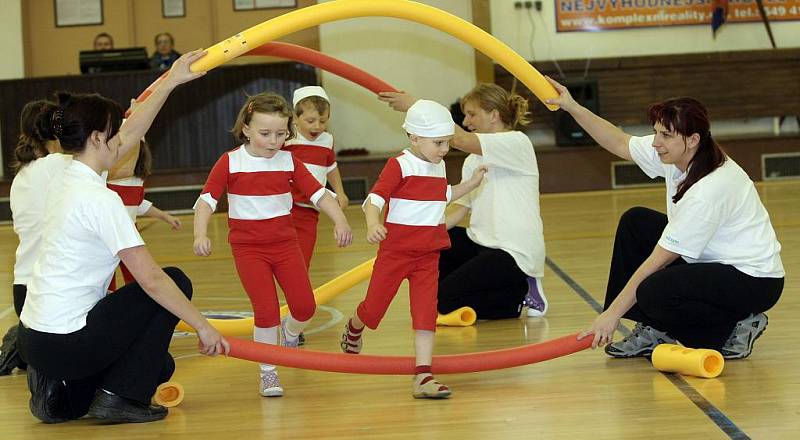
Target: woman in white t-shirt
(38,163)
(704,273)
(496,264)
(89,352)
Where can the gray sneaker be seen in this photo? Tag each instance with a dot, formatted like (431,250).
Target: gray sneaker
(286,340)
(641,342)
(740,344)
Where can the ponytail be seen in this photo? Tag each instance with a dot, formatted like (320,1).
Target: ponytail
(34,133)
(78,115)
(144,163)
(519,106)
(511,107)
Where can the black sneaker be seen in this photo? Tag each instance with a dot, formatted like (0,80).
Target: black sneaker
(641,342)
(9,355)
(111,408)
(48,398)
(740,343)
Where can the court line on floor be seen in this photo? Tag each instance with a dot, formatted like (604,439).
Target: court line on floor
(712,412)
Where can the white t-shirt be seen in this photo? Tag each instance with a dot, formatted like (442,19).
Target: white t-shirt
(720,219)
(505,207)
(28,191)
(85,226)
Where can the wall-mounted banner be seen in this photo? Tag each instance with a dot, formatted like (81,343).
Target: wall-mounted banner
(596,15)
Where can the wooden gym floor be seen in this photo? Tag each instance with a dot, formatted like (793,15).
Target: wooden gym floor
(585,395)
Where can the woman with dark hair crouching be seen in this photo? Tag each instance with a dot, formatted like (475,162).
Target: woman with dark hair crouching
(87,351)
(704,273)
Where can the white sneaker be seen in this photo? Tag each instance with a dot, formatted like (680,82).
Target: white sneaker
(270,385)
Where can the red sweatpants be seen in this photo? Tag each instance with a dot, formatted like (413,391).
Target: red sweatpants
(305,223)
(390,269)
(257,264)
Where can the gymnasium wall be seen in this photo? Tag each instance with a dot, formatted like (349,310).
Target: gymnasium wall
(13,65)
(424,61)
(513,27)
(51,50)
(413,57)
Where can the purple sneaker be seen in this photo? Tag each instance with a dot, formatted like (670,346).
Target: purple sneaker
(535,300)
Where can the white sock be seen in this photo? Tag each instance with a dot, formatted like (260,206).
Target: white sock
(266,335)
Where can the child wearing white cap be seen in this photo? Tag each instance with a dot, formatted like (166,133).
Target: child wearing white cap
(313,146)
(414,186)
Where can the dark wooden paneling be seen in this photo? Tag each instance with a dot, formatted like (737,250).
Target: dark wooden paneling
(191,131)
(744,84)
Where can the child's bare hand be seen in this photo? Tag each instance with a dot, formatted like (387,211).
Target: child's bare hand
(343,234)
(399,101)
(479,172)
(173,221)
(202,246)
(376,233)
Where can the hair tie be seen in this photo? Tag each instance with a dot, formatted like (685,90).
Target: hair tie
(57,122)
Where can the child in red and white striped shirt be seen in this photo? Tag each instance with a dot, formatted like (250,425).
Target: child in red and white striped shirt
(314,147)
(131,191)
(258,177)
(415,187)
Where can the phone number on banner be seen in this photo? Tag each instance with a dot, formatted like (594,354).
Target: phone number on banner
(595,15)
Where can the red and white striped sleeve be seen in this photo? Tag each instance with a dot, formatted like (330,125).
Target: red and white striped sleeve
(389,179)
(216,183)
(144,207)
(303,180)
(331,162)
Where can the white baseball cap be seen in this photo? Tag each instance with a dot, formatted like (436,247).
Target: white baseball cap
(429,119)
(304,92)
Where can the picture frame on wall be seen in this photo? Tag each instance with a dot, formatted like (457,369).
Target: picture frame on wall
(250,5)
(78,12)
(173,8)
